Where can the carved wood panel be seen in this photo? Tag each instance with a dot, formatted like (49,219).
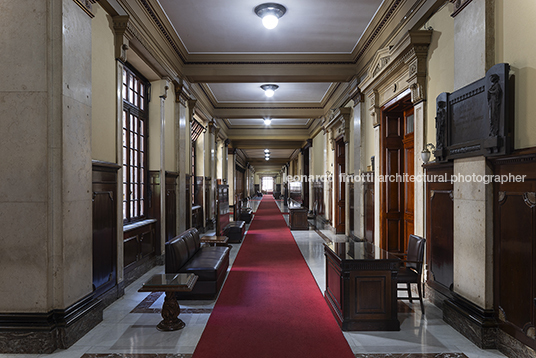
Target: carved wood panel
(368,202)
(440,229)
(515,248)
(104,226)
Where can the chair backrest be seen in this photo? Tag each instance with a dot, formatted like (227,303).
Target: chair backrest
(415,252)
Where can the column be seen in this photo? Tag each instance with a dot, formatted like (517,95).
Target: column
(46,191)
(359,214)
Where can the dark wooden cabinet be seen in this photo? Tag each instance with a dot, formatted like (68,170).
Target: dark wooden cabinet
(515,247)
(171,205)
(139,243)
(298,218)
(361,282)
(197,216)
(104,226)
(440,227)
(368,205)
(223,208)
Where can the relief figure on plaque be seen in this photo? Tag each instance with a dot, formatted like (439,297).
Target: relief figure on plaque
(440,124)
(494,105)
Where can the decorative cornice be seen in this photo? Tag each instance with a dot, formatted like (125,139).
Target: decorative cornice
(121,24)
(378,29)
(162,28)
(339,120)
(459,5)
(86,5)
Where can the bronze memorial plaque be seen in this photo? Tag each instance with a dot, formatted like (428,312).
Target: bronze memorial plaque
(476,119)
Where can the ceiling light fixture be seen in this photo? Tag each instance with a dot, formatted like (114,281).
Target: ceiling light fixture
(269,89)
(267,121)
(270,13)
(267,151)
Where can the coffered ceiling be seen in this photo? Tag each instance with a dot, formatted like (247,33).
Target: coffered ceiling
(228,55)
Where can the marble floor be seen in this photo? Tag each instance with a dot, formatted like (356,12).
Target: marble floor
(128,328)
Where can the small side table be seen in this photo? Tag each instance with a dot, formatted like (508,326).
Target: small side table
(215,240)
(170,283)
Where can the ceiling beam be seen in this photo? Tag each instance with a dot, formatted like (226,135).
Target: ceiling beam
(270,72)
(266,143)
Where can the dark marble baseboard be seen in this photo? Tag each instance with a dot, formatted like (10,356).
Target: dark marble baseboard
(136,355)
(40,333)
(359,355)
(476,324)
(113,294)
(435,297)
(511,347)
(410,355)
(142,268)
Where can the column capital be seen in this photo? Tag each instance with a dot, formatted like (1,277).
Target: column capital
(122,39)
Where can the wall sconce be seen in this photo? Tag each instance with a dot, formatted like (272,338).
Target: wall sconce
(425,154)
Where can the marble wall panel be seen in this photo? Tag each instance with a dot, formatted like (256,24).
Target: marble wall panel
(76,154)
(76,53)
(23,257)
(24,127)
(23,56)
(77,248)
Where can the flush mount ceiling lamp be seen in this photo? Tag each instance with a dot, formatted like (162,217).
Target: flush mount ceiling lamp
(267,121)
(270,13)
(269,90)
(267,151)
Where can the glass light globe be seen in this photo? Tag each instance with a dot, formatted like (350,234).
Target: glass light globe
(270,21)
(269,92)
(267,121)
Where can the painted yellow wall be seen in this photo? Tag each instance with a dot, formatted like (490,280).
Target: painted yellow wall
(170,126)
(367,137)
(514,36)
(318,154)
(200,154)
(103,94)
(440,66)
(350,154)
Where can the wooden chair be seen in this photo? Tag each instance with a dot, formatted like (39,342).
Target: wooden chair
(410,270)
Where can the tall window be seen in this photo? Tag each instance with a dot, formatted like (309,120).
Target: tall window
(267,184)
(134,145)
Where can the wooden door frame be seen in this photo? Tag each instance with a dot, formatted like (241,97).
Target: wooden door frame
(399,105)
(339,188)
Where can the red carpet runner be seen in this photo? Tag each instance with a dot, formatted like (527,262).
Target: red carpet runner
(271,305)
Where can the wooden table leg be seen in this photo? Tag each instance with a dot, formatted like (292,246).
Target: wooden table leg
(170,313)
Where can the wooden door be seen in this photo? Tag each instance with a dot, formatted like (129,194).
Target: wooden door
(340,191)
(409,170)
(392,217)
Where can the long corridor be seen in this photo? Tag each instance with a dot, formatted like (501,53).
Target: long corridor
(129,326)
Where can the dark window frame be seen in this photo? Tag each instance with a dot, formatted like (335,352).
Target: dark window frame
(135,114)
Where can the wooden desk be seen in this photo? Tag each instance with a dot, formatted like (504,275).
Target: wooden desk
(361,281)
(298,218)
(215,240)
(170,283)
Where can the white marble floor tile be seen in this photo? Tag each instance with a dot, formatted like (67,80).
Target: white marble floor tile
(125,332)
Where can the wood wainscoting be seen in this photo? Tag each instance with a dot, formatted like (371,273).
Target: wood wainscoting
(171,205)
(515,247)
(104,226)
(440,228)
(368,205)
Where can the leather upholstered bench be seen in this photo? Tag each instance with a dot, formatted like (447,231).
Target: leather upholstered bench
(185,254)
(246,215)
(235,231)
